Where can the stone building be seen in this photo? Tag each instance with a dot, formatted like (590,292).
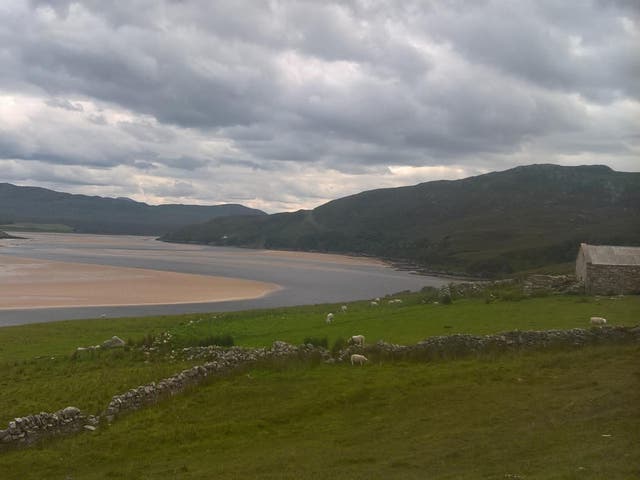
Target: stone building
(607,270)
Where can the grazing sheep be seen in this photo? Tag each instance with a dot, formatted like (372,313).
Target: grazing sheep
(357,340)
(343,308)
(395,300)
(598,321)
(359,359)
(374,304)
(329,318)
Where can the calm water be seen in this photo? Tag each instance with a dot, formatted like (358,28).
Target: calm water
(307,279)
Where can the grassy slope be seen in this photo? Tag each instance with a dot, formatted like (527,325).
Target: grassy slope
(537,415)
(406,323)
(336,420)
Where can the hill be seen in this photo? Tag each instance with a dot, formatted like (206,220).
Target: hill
(501,222)
(92,214)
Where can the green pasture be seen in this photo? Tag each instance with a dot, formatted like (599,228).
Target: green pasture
(534,415)
(531,414)
(404,323)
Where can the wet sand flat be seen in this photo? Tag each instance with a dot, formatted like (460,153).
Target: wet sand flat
(36,283)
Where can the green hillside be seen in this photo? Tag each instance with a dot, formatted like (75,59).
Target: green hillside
(501,222)
(90,214)
(537,413)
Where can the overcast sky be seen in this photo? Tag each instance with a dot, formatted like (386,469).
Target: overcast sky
(282,105)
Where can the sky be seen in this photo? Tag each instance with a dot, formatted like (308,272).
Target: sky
(282,105)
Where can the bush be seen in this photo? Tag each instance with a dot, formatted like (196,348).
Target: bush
(146,341)
(316,342)
(446,299)
(338,345)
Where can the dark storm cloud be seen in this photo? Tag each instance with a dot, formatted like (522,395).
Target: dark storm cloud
(559,45)
(174,87)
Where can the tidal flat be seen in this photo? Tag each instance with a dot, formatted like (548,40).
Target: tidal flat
(165,278)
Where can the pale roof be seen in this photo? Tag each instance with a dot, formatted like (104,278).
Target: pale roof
(611,255)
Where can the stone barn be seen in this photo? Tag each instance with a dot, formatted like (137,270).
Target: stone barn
(608,270)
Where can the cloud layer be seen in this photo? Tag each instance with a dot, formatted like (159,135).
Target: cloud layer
(286,104)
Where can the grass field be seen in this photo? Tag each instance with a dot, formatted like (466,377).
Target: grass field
(527,415)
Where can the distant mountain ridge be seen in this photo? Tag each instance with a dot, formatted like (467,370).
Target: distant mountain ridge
(523,218)
(92,214)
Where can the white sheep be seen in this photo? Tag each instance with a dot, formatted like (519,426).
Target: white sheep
(598,321)
(357,340)
(374,304)
(359,359)
(395,300)
(329,318)
(343,308)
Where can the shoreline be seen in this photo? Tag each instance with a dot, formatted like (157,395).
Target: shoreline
(112,305)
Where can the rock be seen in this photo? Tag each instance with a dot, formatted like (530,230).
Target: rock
(70,412)
(113,342)
(91,428)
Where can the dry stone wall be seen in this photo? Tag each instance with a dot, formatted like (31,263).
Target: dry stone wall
(26,430)
(461,345)
(220,361)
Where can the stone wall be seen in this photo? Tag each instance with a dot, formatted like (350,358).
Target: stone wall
(534,284)
(220,361)
(613,279)
(461,345)
(26,430)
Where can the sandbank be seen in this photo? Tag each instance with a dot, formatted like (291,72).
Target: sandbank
(27,283)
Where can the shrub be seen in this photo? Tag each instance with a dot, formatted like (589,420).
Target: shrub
(446,299)
(146,341)
(317,342)
(338,345)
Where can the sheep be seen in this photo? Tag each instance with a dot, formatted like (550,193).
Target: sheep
(395,300)
(359,359)
(329,318)
(357,340)
(598,321)
(343,308)
(374,304)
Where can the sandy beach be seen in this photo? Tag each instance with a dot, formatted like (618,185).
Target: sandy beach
(35,283)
